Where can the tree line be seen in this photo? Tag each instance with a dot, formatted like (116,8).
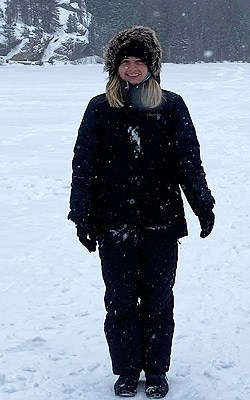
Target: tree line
(43,13)
(189,30)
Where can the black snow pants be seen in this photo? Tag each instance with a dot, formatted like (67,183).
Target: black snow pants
(139,301)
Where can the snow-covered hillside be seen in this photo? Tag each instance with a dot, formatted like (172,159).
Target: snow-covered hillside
(65,46)
(34,44)
(51,290)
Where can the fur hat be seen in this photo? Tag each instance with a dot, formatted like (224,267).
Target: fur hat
(138,41)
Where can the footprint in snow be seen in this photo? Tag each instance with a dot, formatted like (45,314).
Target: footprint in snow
(30,344)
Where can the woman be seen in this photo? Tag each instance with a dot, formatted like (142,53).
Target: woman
(135,148)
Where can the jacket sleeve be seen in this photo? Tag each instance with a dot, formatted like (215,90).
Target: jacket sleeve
(83,165)
(191,174)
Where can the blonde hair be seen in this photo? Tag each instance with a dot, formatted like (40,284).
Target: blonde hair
(151,94)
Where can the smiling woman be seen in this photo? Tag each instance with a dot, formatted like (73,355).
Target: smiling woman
(134,56)
(133,70)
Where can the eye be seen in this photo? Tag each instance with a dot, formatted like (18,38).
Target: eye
(125,61)
(139,61)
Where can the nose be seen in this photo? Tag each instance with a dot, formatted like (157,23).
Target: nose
(132,66)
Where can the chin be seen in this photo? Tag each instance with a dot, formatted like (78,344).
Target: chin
(134,81)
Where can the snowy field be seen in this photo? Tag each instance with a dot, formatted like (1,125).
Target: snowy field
(52,345)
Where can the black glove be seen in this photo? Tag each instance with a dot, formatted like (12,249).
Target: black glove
(86,236)
(206,222)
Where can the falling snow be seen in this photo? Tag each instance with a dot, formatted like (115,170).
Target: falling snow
(51,289)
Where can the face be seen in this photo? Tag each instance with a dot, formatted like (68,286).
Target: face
(132,70)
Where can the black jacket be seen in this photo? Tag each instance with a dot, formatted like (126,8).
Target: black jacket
(130,162)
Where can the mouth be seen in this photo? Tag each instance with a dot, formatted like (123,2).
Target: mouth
(133,75)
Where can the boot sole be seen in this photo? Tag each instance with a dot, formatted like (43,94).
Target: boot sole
(129,394)
(153,395)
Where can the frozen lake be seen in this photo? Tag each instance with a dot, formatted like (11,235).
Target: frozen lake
(51,291)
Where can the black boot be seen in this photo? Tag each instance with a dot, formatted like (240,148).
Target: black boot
(156,386)
(126,386)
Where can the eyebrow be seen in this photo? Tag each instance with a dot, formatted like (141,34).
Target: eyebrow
(127,58)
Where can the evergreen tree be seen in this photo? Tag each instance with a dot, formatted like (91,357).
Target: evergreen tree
(35,13)
(82,7)
(72,23)
(110,16)
(40,13)
(25,11)
(11,10)
(9,26)
(9,33)
(1,14)
(49,14)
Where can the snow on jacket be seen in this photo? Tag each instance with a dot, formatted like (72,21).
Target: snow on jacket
(129,164)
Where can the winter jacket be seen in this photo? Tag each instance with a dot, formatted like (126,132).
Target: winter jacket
(129,165)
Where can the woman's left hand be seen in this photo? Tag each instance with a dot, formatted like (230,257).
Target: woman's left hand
(206,222)
(86,237)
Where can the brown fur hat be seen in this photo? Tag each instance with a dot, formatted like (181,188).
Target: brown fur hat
(138,41)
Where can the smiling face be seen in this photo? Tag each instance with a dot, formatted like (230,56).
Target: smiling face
(132,70)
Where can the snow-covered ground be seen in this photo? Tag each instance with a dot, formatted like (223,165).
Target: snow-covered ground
(52,344)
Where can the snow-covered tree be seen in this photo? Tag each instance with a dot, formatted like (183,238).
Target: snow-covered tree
(25,11)
(49,14)
(72,23)
(11,10)
(82,8)
(9,25)
(1,14)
